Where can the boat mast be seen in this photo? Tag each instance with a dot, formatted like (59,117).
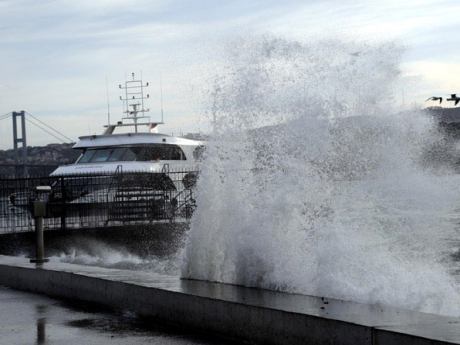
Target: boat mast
(134,100)
(108,101)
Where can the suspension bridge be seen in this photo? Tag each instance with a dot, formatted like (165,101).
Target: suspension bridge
(20,119)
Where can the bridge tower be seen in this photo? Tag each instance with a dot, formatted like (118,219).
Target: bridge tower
(19,137)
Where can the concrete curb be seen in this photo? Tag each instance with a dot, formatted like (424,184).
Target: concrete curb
(256,315)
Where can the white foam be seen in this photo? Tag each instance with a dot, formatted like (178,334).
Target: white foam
(333,199)
(97,253)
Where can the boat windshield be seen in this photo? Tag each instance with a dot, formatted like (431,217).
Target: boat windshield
(155,152)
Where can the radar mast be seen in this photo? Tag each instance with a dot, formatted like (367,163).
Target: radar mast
(134,108)
(134,100)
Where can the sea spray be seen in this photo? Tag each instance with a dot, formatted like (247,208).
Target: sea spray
(313,180)
(93,252)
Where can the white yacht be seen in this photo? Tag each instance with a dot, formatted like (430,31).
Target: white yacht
(138,151)
(134,176)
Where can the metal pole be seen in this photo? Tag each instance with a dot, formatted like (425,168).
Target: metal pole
(39,240)
(40,243)
(39,211)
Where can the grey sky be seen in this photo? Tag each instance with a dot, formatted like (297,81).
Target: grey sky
(55,55)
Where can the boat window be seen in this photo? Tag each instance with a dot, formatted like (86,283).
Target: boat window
(86,156)
(117,154)
(159,152)
(101,155)
(176,153)
(129,155)
(133,153)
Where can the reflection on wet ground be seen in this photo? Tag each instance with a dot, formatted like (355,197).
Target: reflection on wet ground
(33,319)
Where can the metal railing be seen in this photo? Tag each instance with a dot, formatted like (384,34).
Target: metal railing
(99,200)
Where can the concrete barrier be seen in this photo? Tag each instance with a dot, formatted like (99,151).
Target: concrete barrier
(258,315)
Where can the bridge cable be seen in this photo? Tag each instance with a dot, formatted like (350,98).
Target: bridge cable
(3,117)
(44,129)
(50,128)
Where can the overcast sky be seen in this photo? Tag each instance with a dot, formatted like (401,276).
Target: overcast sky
(55,56)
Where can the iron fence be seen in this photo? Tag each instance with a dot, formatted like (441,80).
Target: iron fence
(99,200)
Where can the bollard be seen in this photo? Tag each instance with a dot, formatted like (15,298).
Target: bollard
(39,211)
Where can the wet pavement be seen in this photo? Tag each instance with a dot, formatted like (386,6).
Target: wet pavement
(27,318)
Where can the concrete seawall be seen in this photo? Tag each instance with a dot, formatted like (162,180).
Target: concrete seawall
(258,315)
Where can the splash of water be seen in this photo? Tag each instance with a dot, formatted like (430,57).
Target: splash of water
(97,253)
(313,180)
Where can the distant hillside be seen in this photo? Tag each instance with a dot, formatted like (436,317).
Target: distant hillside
(50,155)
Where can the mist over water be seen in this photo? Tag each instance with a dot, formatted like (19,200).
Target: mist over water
(316,182)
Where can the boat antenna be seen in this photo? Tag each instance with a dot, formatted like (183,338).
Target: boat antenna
(108,102)
(161,98)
